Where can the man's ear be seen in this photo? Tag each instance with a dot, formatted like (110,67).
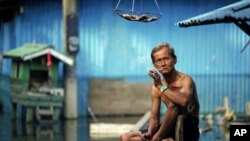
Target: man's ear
(154,64)
(175,60)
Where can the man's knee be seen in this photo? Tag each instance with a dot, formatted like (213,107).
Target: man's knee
(124,137)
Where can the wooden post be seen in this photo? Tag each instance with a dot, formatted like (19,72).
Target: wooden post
(70,130)
(71,46)
(29,115)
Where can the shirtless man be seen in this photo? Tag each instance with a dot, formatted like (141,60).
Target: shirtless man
(178,92)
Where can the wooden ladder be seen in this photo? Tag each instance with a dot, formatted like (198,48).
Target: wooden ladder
(44,111)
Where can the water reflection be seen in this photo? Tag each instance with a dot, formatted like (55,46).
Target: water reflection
(67,130)
(79,130)
(212,131)
(32,131)
(72,130)
(226,132)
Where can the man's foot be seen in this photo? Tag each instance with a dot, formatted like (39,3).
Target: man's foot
(168,139)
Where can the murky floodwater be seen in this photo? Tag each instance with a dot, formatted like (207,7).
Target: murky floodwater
(62,130)
(79,130)
(75,130)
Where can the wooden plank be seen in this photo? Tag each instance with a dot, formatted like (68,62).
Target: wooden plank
(108,130)
(36,99)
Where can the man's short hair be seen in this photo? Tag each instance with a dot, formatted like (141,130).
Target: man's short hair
(161,46)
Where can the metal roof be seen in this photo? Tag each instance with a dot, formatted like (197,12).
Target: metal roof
(31,51)
(239,11)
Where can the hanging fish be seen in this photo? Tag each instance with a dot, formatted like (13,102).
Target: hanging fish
(140,15)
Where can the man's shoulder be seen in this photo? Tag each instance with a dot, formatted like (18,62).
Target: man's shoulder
(185,75)
(186,78)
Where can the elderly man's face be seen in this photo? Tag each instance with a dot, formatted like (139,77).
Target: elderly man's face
(164,62)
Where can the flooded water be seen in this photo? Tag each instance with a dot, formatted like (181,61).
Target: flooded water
(79,130)
(62,130)
(76,130)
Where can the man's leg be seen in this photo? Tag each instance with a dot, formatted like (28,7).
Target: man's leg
(131,136)
(191,129)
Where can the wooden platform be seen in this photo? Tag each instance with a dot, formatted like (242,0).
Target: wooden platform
(112,131)
(108,130)
(33,101)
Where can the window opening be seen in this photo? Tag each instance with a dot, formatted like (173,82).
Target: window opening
(137,11)
(17,70)
(38,79)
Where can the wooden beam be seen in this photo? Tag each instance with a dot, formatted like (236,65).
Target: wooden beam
(243,25)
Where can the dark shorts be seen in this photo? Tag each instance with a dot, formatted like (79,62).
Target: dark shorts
(190,129)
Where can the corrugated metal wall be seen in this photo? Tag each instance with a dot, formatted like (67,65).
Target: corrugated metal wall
(112,47)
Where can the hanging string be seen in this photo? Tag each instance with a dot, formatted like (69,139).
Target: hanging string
(133,6)
(117,5)
(158,6)
(141,5)
(132,15)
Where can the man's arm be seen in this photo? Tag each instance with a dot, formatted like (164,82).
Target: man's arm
(155,111)
(184,95)
(168,121)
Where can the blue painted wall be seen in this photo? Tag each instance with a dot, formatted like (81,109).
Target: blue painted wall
(112,47)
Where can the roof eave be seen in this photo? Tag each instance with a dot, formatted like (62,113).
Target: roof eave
(235,12)
(65,59)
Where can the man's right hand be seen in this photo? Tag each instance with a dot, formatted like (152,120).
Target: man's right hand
(156,77)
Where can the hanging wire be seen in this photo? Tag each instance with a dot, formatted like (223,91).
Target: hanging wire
(117,5)
(132,15)
(141,7)
(133,5)
(158,7)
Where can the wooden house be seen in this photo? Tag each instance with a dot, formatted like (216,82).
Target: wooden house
(34,79)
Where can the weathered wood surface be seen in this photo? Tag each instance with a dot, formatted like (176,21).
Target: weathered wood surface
(36,99)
